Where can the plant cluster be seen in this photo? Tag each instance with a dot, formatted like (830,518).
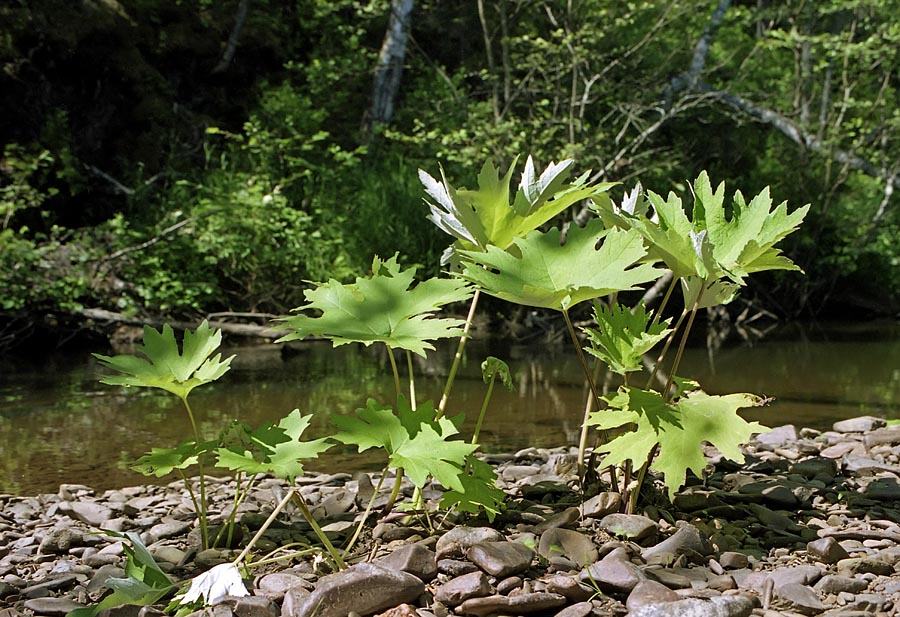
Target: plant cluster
(500,249)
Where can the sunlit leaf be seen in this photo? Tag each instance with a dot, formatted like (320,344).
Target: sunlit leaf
(679,428)
(382,308)
(479,490)
(415,442)
(540,271)
(486,216)
(279,450)
(168,367)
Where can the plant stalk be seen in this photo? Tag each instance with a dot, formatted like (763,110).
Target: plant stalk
(395,371)
(304,510)
(582,441)
(681,345)
(457,359)
(484,406)
(412,381)
(365,515)
(201,513)
(665,349)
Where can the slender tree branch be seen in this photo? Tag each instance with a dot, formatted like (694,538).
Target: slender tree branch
(240,19)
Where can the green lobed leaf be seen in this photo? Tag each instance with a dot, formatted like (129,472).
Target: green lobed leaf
(414,441)
(279,449)
(542,272)
(679,428)
(623,336)
(483,217)
(382,308)
(163,461)
(479,490)
(168,367)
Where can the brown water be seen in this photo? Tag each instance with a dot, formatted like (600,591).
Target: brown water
(58,424)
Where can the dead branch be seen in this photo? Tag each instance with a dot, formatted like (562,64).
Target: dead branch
(231,47)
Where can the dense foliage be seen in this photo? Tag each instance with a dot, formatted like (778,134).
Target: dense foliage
(147,172)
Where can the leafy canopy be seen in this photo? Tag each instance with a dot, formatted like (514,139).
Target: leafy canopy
(167,367)
(624,336)
(482,217)
(541,271)
(382,308)
(413,440)
(678,427)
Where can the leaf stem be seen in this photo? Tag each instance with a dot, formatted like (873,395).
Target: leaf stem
(304,510)
(484,406)
(264,527)
(394,370)
(442,406)
(398,480)
(665,349)
(582,441)
(365,515)
(412,381)
(681,345)
(201,511)
(665,301)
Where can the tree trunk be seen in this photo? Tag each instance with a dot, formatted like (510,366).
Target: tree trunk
(390,63)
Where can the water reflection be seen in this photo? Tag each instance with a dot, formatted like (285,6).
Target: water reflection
(58,424)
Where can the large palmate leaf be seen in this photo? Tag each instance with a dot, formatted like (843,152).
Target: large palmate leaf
(275,449)
(744,243)
(167,367)
(623,337)
(413,440)
(382,308)
(163,461)
(486,216)
(539,271)
(678,427)
(711,245)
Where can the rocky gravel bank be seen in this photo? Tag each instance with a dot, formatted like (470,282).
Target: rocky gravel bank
(808,525)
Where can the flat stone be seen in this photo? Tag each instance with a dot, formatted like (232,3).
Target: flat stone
(456,591)
(777,437)
(275,585)
(560,519)
(815,467)
(501,559)
(613,574)
(89,512)
(516,605)
(862,565)
(567,543)
(52,607)
(826,550)
(634,527)
(416,559)
(861,424)
(581,609)
(457,541)
(686,540)
(251,606)
(798,598)
(650,592)
(832,584)
(365,588)
(890,435)
(600,505)
(866,466)
(569,587)
(883,489)
(722,606)
(841,449)
(732,560)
